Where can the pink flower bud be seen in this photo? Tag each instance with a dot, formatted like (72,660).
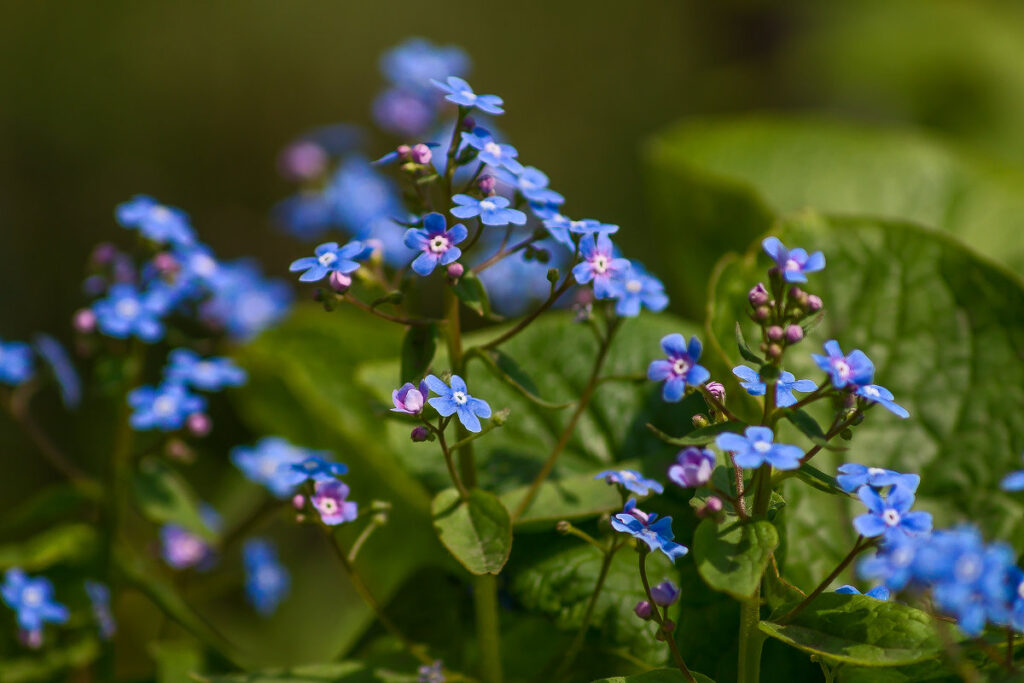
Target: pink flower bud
(299,501)
(774,333)
(716,389)
(455,271)
(421,154)
(758,296)
(199,424)
(814,303)
(794,333)
(404,152)
(487,183)
(712,507)
(339,282)
(84,320)
(762,313)
(643,610)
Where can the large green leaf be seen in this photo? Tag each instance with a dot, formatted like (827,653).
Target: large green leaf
(945,330)
(335,672)
(857,629)
(163,496)
(49,665)
(477,530)
(722,183)
(73,543)
(579,496)
(732,557)
(657,676)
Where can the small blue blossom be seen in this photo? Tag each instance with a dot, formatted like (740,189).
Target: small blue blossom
(32,600)
(757,448)
(15,362)
(556,224)
(532,183)
(205,374)
(409,399)
(244,303)
(636,289)
(492,153)
(455,400)
(414,63)
(127,312)
(198,265)
(435,242)
(852,476)
(156,222)
(329,259)
(493,210)
(263,462)
(785,385)
(599,265)
(266,580)
(164,407)
(794,265)
(856,368)
(893,564)
(883,397)
(693,467)
(890,516)
(878,592)
(655,531)
(330,500)
(313,468)
(57,359)
(1014,481)
(631,480)
(460,92)
(99,598)
(306,215)
(680,369)
(665,593)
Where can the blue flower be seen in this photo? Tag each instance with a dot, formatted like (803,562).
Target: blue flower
(1014,481)
(15,363)
(599,265)
(654,531)
(164,407)
(99,597)
(456,400)
(852,476)
(156,222)
(882,396)
(794,265)
(785,385)
(878,592)
(266,580)
(435,242)
(492,210)
(263,462)
(680,368)
(890,516)
(199,265)
(590,226)
(206,374)
(492,153)
(306,215)
(757,448)
(460,92)
(856,369)
(404,112)
(126,312)
(632,481)
(693,467)
(665,593)
(68,381)
(313,468)
(532,183)
(329,259)
(330,500)
(32,600)
(244,303)
(414,63)
(893,564)
(182,549)
(556,224)
(635,289)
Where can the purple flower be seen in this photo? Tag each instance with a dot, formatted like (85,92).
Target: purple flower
(794,265)
(693,467)
(492,153)
(32,600)
(599,265)
(654,531)
(329,259)
(329,501)
(631,480)
(409,399)
(182,548)
(852,476)
(757,448)
(15,362)
(435,242)
(456,400)
(785,385)
(856,369)
(460,92)
(164,407)
(431,673)
(665,593)
(883,397)
(680,368)
(890,516)
(635,289)
(492,210)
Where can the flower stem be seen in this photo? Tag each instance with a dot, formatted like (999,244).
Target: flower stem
(485,602)
(19,409)
(525,322)
(859,546)
(660,619)
(573,652)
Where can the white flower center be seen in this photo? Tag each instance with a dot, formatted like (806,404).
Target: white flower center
(600,264)
(487,205)
(32,596)
(460,397)
(468,94)
(842,368)
(629,476)
(791,265)
(875,471)
(634,286)
(268,468)
(681,366)
(968,568)
(438,244)
(1020,590)
(127,308)
(328,506)
(204,265)
(164,406)
(762,446)
(160,213)
(493,148)
(327,259)
(872,392)
(891,517)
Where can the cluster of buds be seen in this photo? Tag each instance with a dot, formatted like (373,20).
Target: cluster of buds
(780,317)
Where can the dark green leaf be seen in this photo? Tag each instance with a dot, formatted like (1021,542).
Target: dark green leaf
(507,370)
(732,557)
(334,672)
(745,352)
(579,496)
(857,629)
(47,506)
(418,348)
(819,480)
(176,661)
(702,436)
(69,543)
(657,676)
(163,496)
(810,428)
(49,665)
(472,293)
(477,530)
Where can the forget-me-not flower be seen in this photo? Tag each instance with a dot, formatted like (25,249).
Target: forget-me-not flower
(156,222)
(185,366)
(856,368)
(883,397)
(33,602)
(785,385)
(266,580)
(793,264)
(415,62)
(127,312)
(492,210)
(409,398)
(263,462)
(680,368)
(435,242)
(329,259)
(459,91)
(455,400)
(491,152)
(15,362)
(330,500)
(244,303)
(851,476)
(655,531)
(164,407)
(313,468)
(599,265)
(532,183)
(635,289)
(891,515)
(631,480)
(757,447)
(693,467)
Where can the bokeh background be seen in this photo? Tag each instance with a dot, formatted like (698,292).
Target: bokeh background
(192,101)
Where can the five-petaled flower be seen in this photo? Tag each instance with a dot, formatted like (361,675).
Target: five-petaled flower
(599,265)
(435,242)
(693,467)
(164,407)
(655,531)
(636,288)
(890,516)
(15,362)
(127,312)
(409,398)
(329,258)
(206,374)
(156,222)
(313,468)
(492,210)
(856,368)
(757,447)
(532,183)
(455,400)
(852,476)
(263,463)
(631,480)
(491,152)
(32,600)
(330,500)
(266,580)
(793,264)
(680,368)
(459,91)
(785,385)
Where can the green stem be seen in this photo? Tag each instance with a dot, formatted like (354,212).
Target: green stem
(751,640)
(573,652)
(660,620)
(525,322)
(485,602)
(450,464)
(858,547)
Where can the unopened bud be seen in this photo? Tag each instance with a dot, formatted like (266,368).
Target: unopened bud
(380,506)
(487,183)
(84,321)
(553,275)
(762,313)
(665,593)
(668,626)
(404,152)
(199,424)
(699,421)
(339,282)
(455,271)
(542,255)
(774,351)
(103,254)
(500,417)
(712,508)
(758,296)
(178,450)
(774,332)
(421,154)
(814,303)
(380,519)
(846,434)
(419,433)
(643,610)
(298,501)
(563,527)
(717,390)
(794,333)
(798,296)
(469,123)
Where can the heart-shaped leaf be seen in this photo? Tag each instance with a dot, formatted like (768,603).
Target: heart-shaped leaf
(732,557)
(477,530)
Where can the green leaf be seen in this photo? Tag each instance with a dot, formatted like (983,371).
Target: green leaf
(163,496)
(934,318)
(857,629)
(731,558)
(472,293)
(576,497)
(701,436)
(418,347)
(334,672)
(823,482)
(657,676)
(810,428)
(68,543)
(51,662)
(725,182)
(46,507)
(477,530)
(745,352)
(176,661)
(506,369)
